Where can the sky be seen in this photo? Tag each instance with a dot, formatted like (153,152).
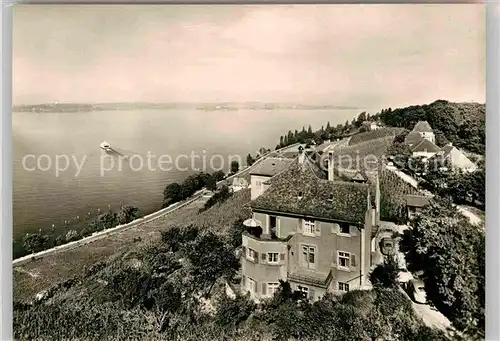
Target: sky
(355,55)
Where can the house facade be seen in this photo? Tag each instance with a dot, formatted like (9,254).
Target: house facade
(316,234)
(424,148)
(424,129)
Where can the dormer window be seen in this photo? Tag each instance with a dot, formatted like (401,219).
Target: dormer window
(331,197)
(300,195)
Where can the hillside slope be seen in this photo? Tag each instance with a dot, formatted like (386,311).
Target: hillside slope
(463,124)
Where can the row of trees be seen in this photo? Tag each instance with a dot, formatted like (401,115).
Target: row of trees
(176,192)
(36,242)
(451,253)
(325,133)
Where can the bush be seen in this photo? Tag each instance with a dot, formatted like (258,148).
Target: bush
(385,275)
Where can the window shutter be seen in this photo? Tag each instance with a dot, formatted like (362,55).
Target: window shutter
(264,288)
(244,251)
(353,260)
(282,257)
(256,257)
(255,286)
(334,258)
(263,256)
(244,281)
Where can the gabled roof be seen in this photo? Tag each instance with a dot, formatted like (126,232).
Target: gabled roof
(422,127)
(455,157)
(425,146)
(413,137)
(417,200)
(331,200)
(271,166)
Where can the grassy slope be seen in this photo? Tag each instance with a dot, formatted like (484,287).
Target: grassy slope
(39,275)
(374,134)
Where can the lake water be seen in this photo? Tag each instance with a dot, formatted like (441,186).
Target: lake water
(40,198)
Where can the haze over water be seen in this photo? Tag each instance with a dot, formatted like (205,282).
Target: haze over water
(42,199)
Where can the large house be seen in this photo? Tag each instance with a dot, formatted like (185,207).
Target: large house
(264,171)
(424,148)
(313,230)
(421,140)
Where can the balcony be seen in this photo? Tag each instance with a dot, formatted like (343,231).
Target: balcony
(259,236)
(311,277)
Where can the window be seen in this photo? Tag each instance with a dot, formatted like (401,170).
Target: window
(251,285)
(304,290)
(251,254)
(344,258)
(309,226)
(331,197)
(272,288)
(300,195)
(308,256)
(273,257)
(258,183)
(343,286)
(344,228)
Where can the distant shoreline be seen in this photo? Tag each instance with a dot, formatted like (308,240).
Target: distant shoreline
(225,106)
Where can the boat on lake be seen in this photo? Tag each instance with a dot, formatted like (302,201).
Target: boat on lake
(105,146)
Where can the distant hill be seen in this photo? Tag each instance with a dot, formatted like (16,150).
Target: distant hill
(463,124)
(225,106)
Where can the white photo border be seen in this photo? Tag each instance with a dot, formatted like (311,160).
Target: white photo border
(492,153)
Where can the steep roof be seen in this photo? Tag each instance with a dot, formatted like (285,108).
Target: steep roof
(413,137)
(320,198)
(271,166)
(455,157)
(422,127)
(417,200)
(425,146)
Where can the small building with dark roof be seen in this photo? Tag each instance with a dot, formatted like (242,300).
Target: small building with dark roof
(264,171)
(415,204)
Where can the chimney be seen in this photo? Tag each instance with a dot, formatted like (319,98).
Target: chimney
(330,165)
(301,155)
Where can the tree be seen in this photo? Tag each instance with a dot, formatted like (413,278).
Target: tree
(451,251)
(72,235)
(104,221)
(211,183)
(385,275)
(250,160)
(235,166)
(172,194)
(237,228)
(219,175)
(35,242)
(210,260)
(231,313)
(127,214)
